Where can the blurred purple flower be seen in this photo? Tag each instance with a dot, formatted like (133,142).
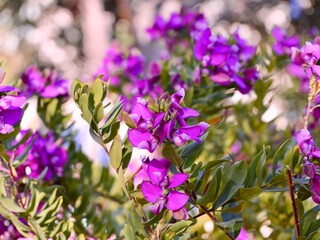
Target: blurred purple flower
(179,29)
(47,84)
(8,230)
(117,64)
(160,189)
(283,43)
(45,152)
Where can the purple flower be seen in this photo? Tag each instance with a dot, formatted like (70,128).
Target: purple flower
(45,152)
(179,29)
(311,171)
(243,235)
(8,230)
(226,62)
(117,65)
(47,84)
(306,144)
(163,120)
(10,108)
(308,57)
(33,80)
(283,43)
(160,189)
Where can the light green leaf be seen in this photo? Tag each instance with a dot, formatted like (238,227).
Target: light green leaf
(11,205)
(97,89)
(116,153)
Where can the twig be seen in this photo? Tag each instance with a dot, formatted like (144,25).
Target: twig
(105,195)
(294,207)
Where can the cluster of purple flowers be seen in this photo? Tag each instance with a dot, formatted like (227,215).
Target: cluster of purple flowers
(163,120)
(47,83)
(308,58)
(116,65)
(11,112)
(309,150)
(226,62)
(283,47)
(283,44)
(159,188)
(44,153)
(178,28)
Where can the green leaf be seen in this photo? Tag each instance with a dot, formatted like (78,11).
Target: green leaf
(3,153)
(249,193)
(233,227)
(171,154)
(37,229)
(255,169)
(181,226)
(22,141)
(110,132)
(75,89)
(23,156)
(191,151)
(97,89)
(155,219)
(36,198)
(232,180)
(127,119)
(308,218)
(11,205)
(98,112)
(279,155)
(116,153)
(164,75)
(113,114)
(212,191)
(96,137)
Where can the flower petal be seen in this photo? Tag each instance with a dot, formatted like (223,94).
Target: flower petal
(157,170)
(150,191)
(178,179)
(176,200)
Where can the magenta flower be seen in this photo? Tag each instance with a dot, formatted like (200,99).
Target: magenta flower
(163,120)
(160,189)
(117,64)
(10,108)
(179,29)
(283,43)
(45,152)
(47,84)
(226,62)
(311,171)
(308,58)
(306,144)
(8,230)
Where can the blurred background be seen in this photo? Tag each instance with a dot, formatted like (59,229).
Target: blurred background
(72,35)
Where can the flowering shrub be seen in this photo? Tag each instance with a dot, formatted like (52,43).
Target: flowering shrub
(190,152)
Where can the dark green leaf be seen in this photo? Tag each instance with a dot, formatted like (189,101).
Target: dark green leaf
(191,151)
(232,180)
(170,153)
(279,155)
